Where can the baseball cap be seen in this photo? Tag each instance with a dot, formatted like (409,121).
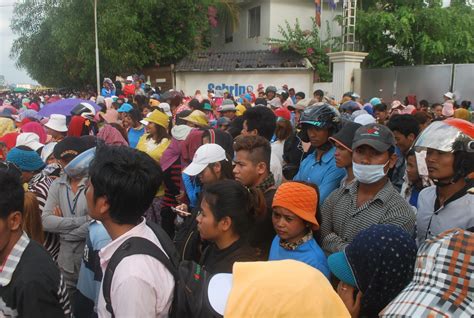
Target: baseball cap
(345,136)
(69,147)
(165,107)
(125,108)
(340,267)
(283,113)
(206,154)
(376,136)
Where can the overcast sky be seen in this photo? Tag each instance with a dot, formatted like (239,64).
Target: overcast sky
(7,66)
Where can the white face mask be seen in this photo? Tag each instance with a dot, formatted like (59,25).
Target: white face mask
(368,174)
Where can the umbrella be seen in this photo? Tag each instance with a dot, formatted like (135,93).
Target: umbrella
(64,107)
(20,90)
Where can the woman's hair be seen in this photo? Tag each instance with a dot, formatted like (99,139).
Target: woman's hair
(229,198)
(226,169)
(32,218)
(161,133)
(283,129)
(466,104)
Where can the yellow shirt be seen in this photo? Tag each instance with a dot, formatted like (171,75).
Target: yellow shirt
(154,150)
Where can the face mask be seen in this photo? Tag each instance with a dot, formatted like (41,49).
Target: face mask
(368,174)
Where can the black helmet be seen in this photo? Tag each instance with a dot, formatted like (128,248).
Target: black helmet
(271,89)
(323,116)
(85,110)
(283,94)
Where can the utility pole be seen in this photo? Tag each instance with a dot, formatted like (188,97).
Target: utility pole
(96,49)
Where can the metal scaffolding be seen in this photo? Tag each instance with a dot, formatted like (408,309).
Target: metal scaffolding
(348,25)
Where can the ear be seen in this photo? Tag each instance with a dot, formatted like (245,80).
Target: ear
(217,167)
(411,137)
(15,220)
(103,205)
(392,160)
(253,132)
(225,224)
(261,167)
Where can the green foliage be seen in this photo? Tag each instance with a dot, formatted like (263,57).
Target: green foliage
(55,38)
(308,44)
(413,32)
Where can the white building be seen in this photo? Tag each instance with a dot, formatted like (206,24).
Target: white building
(259,20)
(241,58)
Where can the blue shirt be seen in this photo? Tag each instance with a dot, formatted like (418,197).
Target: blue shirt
(90,275)
(309,252)
(134,135)
(322,173)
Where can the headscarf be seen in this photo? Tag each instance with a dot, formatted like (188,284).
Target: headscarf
(76,126)
(382,259)
(462,113)
(111,136)
(6,126)
(36,128)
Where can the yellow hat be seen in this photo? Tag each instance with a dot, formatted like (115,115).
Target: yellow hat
(153,103)
(197,117)
(240,110)
(159,118)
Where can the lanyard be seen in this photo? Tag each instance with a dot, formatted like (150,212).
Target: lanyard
(72,209)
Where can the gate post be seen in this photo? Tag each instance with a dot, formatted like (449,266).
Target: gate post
(344,64)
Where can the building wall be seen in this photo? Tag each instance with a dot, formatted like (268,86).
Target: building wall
(274,13)
(189,82)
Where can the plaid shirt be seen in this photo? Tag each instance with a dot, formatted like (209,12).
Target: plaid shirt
(443,284)
(342,220)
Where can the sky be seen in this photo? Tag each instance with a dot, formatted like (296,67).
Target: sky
(7,66)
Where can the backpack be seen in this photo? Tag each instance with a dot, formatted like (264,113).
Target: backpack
(191,280)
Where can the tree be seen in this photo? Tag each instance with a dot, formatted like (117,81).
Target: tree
(413,32)
(55,38)
(309,45)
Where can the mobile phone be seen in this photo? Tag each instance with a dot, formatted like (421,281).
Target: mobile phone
(180,211)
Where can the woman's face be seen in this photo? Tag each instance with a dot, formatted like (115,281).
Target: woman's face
(207,225)
(152,129)
(209,174)
(287,225)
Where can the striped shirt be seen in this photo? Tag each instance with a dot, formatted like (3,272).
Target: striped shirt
(342,220)
(39,185)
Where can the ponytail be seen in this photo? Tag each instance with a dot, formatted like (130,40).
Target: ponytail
(32,218)
(229,198)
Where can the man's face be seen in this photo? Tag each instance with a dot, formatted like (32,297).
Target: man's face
(412,169)
(228,114)
(246,132)
(440,164)
(366,155)
(343,156)
(317,136)
(404,143)
(381,116)
(298,98)
(438,111)
(245,171)
(7,226)
(270,95)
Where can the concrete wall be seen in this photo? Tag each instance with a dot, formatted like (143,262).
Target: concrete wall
(189,82)
(272,14)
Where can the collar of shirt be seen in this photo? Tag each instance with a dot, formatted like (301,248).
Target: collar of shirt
(107,251)
(327,156)
(64,179)
(383,195)
(13,259)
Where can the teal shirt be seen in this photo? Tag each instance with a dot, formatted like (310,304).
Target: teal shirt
(134,135)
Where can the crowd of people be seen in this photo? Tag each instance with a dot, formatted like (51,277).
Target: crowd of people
(142,203)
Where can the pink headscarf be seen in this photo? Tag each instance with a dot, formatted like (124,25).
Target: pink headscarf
(111,136)
(36,128)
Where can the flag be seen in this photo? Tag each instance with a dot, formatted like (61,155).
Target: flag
(317,4)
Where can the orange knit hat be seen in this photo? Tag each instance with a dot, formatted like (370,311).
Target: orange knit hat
(298,198)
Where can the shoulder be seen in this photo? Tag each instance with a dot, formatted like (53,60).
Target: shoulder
(37,266)
(429,192)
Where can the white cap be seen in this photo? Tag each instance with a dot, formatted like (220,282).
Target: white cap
(47,151)
(218,291)
(144,121)
(30,140)
(165,107)
(57,122)
(364,119)
(449,95)
(130,78)
(206,154)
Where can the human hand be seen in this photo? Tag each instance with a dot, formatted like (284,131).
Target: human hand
(180,197)
(57,211)
(346,292)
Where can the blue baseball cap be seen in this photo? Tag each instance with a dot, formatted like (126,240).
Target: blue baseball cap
(340,267)
(125,108)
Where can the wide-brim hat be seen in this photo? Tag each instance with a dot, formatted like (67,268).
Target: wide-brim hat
(57,122)
(197,117)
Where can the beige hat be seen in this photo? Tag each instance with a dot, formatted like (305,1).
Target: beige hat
(57,122)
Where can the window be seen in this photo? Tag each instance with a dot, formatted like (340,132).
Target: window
(229,31)
(254,22)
